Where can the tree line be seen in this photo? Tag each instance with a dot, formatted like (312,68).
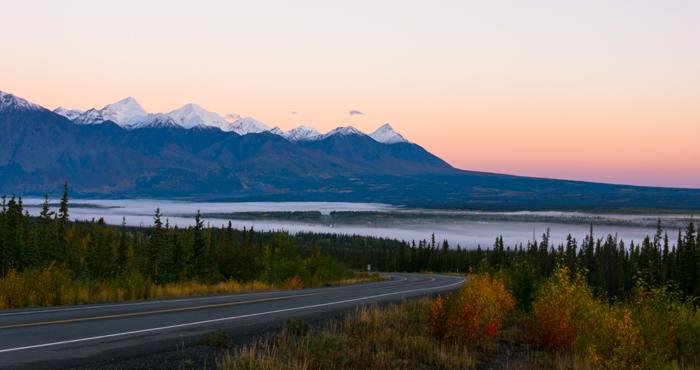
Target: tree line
(612,267)
(165,253)
(93,250)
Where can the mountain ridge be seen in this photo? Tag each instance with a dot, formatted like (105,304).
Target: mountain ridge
(128,113)
(40,149)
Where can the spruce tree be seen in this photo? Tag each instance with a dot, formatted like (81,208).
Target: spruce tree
(46,240)
(666,258)
(199,249)
(155,247)
(122,247)
(687,262)
(62,243)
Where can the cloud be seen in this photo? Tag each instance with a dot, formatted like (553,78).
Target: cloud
(355,112)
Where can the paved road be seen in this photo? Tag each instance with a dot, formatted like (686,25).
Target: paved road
(50,337)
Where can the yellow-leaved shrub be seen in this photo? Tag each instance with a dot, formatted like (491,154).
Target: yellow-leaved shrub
(475,314)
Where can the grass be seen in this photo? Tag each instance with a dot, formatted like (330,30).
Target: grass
(54,286)
(369,338)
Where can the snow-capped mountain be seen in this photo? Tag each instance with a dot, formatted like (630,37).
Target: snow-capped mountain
(125,112)
(244,125)
(302,133)
(343,131)
(91,116)
(9,102)
(192,115)
(231,117)
(71,114)
(156,121)
(277,131)
(386,135)
(129,114)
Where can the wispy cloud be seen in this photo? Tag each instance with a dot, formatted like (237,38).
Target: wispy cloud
(355,112)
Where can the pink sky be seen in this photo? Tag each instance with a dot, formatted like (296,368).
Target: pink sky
(592,90)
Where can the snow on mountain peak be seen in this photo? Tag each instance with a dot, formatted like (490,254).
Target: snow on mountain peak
(244,125)
(385,134)
(343,131)
(71,114)
(125,112)
(156,121)
(277,131)
(232,117)
(91,116)
(302,133)
(192,115)
(129,114)
(12,102)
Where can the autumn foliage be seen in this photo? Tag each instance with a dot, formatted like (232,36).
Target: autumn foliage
(652,330)
(473,315)
(563,308)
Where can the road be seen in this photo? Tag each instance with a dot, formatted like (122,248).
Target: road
(63,336)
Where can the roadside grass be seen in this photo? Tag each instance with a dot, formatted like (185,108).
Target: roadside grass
(54,286)
(566,327)
(358,278)
(392,337)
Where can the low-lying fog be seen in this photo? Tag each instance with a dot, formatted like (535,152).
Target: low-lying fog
(466,228)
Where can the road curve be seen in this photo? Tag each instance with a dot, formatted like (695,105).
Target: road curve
(48,337)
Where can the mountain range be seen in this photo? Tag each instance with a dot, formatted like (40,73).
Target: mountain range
(129,114)
(121,150)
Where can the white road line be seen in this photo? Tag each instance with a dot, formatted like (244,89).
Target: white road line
(230,318)
(214,297)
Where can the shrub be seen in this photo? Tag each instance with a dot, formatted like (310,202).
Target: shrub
(294,282)
(473,315)
(13,290)
(563,310)
(437,321)
(669,327)
(567,318)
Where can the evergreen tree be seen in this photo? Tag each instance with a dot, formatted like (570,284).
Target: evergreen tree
(156,246)
(46,238)
(122,248)
(666,258)
(687,258)
(61,245)
(201,269)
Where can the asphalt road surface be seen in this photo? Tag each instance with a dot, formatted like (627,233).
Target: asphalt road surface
(56,337)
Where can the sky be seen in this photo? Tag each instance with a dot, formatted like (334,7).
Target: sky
(591,90)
